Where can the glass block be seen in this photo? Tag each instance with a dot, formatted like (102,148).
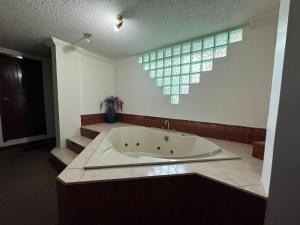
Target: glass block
(236,35)
(209,42)
(153,65)
(140,59)
(175,80)
(208,54)
(159,63)
(207,65)
(152,56)
(167,81)
(197,45)
(176,60)
(159,82)
(184,89)
(186,47)
(176,50)
(175,90)
(146,66)
(185,69)
(220,51)
(159,72)
(166,90)
(195,78)
(196,56)
(152,74)
(175,70)
(146,58)
(196,68)
(160,54)
(222,39)
(167,71)
(186,58)
(167,62)
(184,79)
(167,52)
(175,99)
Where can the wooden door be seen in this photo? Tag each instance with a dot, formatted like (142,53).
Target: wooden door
(21,98)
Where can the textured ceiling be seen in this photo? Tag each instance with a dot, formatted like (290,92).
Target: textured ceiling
(150,24)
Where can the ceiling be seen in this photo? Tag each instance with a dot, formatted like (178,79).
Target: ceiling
(149,24)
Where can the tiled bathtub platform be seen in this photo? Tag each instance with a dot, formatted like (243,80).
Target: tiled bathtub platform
(217,192)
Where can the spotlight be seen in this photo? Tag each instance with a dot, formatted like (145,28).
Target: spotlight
(120,22)
(87,37)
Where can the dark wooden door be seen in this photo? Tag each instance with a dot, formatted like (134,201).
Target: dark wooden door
(21,98)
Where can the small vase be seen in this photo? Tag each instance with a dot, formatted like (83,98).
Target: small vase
(111,117)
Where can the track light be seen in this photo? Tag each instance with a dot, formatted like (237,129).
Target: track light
(87,37)
(120,22)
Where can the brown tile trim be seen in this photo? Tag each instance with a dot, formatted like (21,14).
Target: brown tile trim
(77,148)
(258,150)
(181,200)
(88,133)
(92,119)
(213,130)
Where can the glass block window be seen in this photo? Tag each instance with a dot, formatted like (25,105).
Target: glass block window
(185,79)
(159,82)
(167,81)
(177,50)
(186,58)
(222,39)
(208,54)
(175,90)
(196,56)
(184,89)
(160,54)
(167,52)
(207,66)
(146,58)
(152,74)
(197,45)
(174,99)
(195,78)
(209,42)
(167,90)
(167,72)
(167,62)
(177,67)
(186,47)
(220,51)
(152,56)
(153,65)
(146,66)
(236,35)
(159,73)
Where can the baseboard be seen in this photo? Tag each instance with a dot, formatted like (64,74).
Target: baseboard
(49,142)
(92,119)
(234,133)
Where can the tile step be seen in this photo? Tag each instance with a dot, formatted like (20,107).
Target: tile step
(64,155)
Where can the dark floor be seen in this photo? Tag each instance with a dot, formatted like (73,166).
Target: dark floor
(27,187)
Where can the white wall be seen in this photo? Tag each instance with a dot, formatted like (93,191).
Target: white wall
(48,100)
(236,92)
(81,81)
(275,93)
(97,82)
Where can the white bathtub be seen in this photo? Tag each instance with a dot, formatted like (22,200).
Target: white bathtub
(135,145)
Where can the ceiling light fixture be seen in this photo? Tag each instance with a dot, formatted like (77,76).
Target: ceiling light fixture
(120,22)
(87,37)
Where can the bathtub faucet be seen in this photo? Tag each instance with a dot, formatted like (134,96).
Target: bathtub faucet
(167,122)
